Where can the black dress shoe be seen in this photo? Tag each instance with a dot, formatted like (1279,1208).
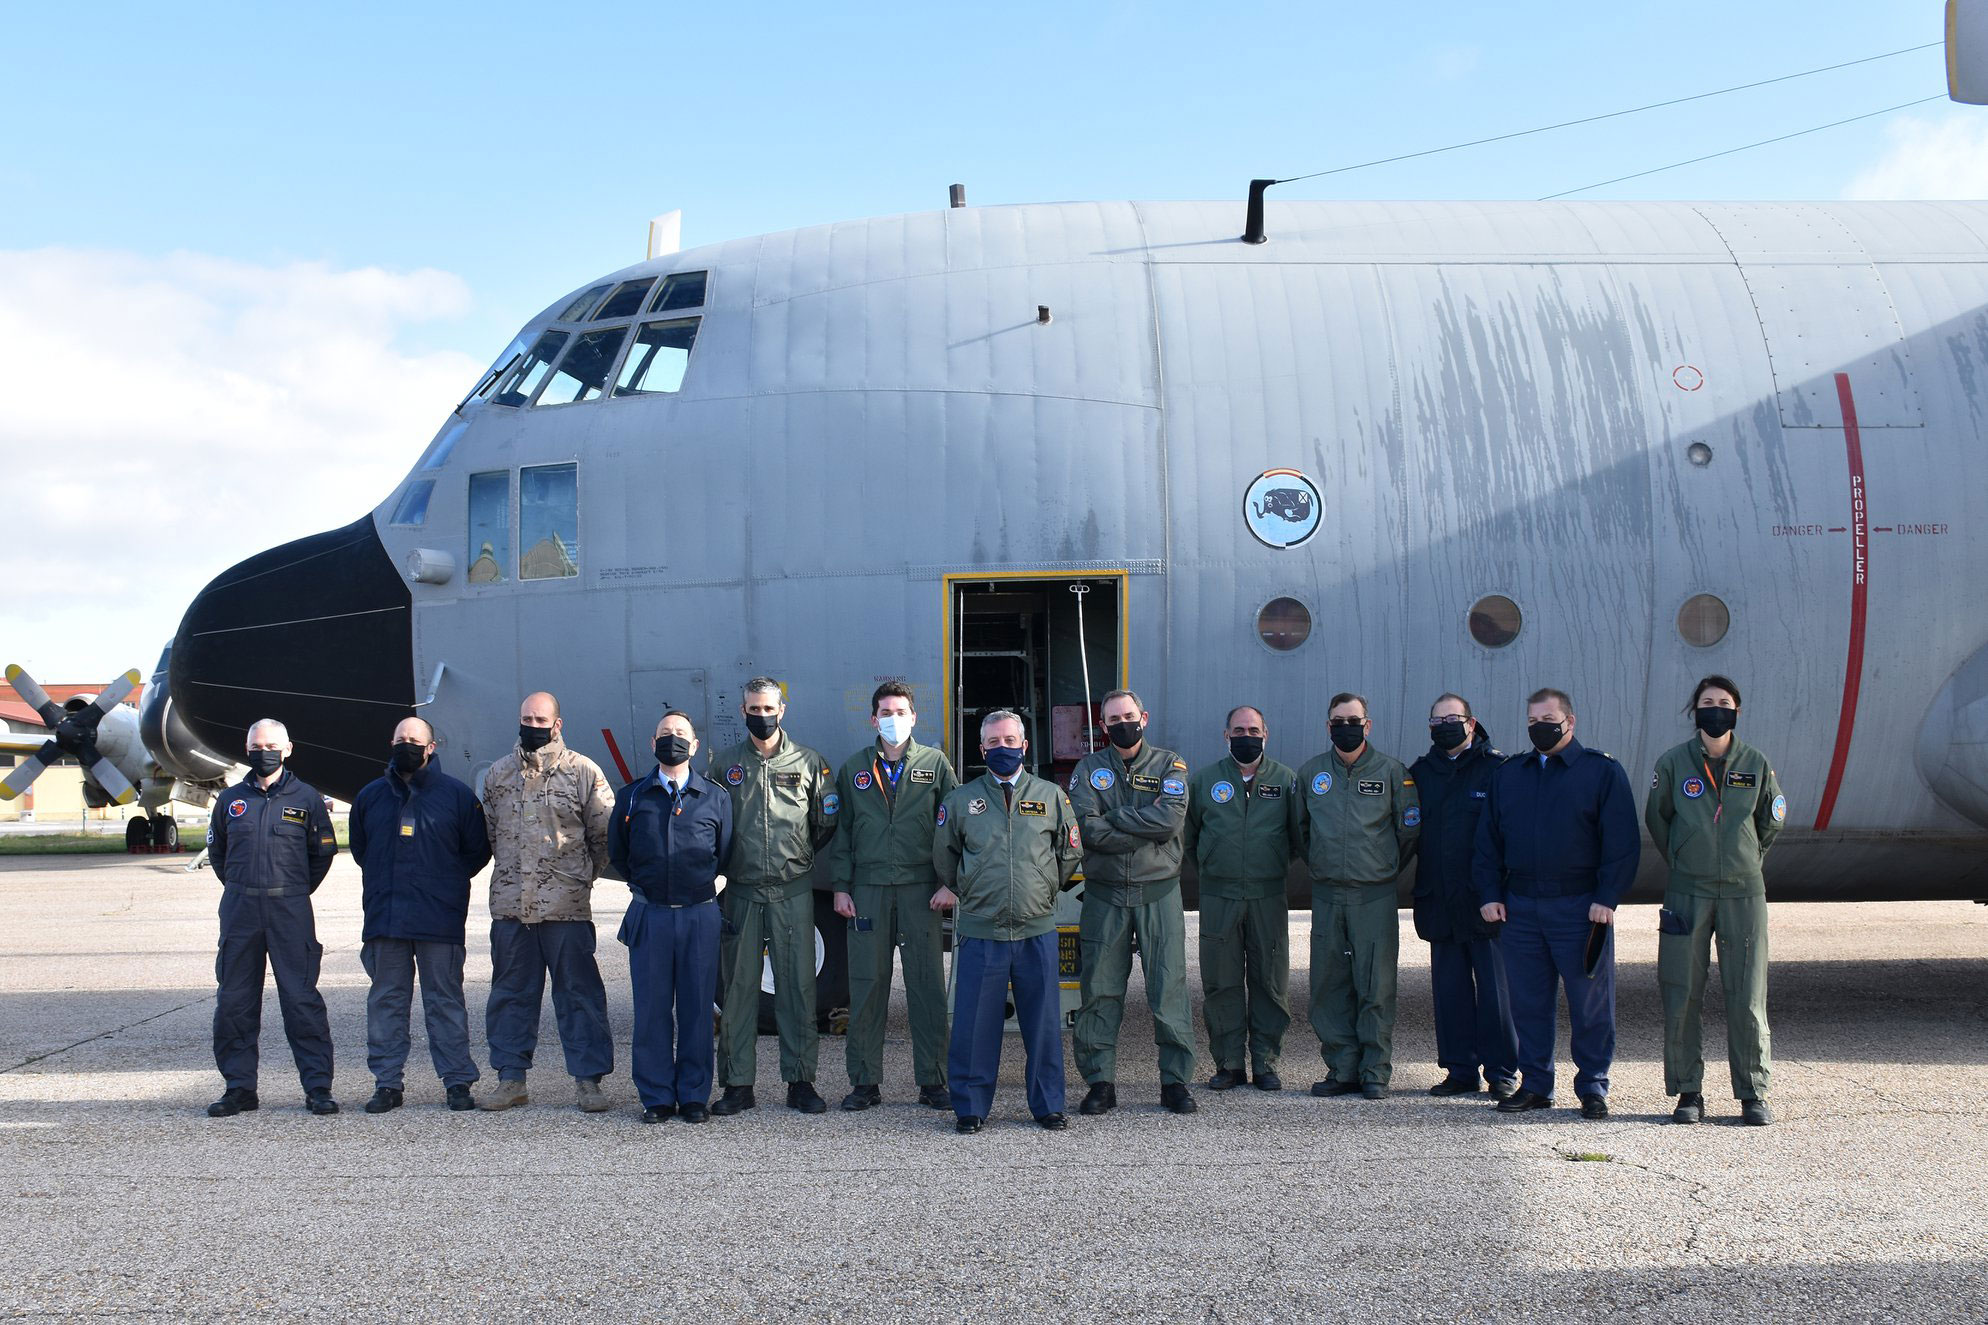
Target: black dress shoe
(1328,1088)
(1502,1090)
(320,1102)
(657,1114)
(802,1098)
(736,1099)
(1373,1090)
(1100,1098)
(1524,1101)
(1594,1107)
(385,1100)
(1052,1122)
(935,1097)
(1177,1098)
(234,1100)
(460,1100)
(1269,1081)
(1690,1108)
(1755,1113)
(860,1098)
(1455,1084)
(697,1111)
(1227,1078)
(966,1125)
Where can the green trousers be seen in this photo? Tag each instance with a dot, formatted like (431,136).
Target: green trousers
(1740,924)
(784,926)
(1107,932)
(1356,941)
(1246,978)
(901,920)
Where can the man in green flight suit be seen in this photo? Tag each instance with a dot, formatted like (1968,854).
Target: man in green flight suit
(1360,824)
(1131,800)
(783,811)
(881,865)
(1241,818)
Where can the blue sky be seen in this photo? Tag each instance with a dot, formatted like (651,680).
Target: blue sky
(281,202)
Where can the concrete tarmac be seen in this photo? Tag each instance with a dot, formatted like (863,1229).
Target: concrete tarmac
(1865,1201)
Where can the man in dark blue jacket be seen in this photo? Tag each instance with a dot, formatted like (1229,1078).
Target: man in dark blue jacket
(419,837)
(1466,964)
(670,835)
(1556,851)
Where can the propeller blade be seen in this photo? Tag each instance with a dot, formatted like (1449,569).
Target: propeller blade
(28,770)
(114,783)
(116,693)
(34,696)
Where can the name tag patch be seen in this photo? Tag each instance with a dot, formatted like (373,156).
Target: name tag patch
(296,814)
(923,775)
(1036,808)
(786,779)
(1372,787)
(1270,792)
(407,830)
(1143,782)
(1742,779)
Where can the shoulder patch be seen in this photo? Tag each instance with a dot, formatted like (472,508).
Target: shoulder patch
(1412,817)
(1780,810)
(1103,778)
(940,821)
(1373,787)
(1321,784)
(923,775)
(1222,793)
(1173,787)
(1075,842)
(831,803)
(1653,780)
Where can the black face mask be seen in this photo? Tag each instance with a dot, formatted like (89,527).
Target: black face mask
(1125,735)
(672,750)
(408,756)
(1449,734)
(1349,736)
(763,725)
(1246,750)
(265,762)
(1716,722)
(1545,735)
(534,738)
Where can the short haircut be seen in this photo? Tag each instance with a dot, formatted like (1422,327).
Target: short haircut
(1545,693)
(549,695)
(890,690)
(1110,695)
(280,732)
(426,725)
(1714,682)
(760,685)
(679,713)
(1003,715)
(1451,694)
(1230,721)
(1348,697)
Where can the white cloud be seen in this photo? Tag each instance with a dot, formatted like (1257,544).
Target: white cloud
(1945,158)
(163,418)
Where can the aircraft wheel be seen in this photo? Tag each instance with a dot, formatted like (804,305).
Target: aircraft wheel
(165,832)
(138,833)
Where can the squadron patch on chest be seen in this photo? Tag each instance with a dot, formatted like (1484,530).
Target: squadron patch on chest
(296,814)
(236,809)
(1103,779)
(1321,784)
(1693,788)
(1036,808)
(735,775)
(863,781)
(1222,793)
(976,806)
(1373,787)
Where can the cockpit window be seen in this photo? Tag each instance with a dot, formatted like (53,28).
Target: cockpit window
(489,527)
(549,522)
(657,360)
(531,371)
(626,301)
(413,508)
(440,449)
(685,289)
(583,304)
(583,372)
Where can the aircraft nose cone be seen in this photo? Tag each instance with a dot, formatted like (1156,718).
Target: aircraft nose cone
(317,634)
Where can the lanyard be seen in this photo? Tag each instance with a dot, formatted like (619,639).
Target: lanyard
(1718,790)
(882,771)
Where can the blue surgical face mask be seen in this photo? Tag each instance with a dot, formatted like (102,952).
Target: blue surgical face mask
(895,728)
(1004,760)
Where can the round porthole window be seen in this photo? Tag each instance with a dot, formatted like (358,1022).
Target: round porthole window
(1284,624)
(1495,621)
(1703,620)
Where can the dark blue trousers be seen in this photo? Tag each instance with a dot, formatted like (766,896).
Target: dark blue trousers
(260,933)
(1473,1010)
(521,956)
(673,966)
(1546,941)
(983,969)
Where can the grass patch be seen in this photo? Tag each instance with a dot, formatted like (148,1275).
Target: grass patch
(1586,1157)
(59,844)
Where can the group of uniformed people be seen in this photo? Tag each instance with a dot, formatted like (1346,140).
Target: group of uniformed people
(1523,861)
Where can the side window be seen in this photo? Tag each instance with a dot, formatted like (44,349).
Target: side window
(413,507)
(683,290)
(583,372)
(489,527)
(531,371)
(658,359)
(549,522)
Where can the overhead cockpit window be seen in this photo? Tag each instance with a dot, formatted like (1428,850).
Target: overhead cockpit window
(489,527)
(549,522)
(683,290)
(658,359)
(626,301)
(583,304)
(524,380)
(583,372)
(413,507)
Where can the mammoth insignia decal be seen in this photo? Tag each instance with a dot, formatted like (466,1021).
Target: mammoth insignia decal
(1282,508)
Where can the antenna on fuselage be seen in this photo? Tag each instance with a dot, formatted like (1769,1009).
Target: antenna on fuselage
(957,195)
(1253,219)
(666,234)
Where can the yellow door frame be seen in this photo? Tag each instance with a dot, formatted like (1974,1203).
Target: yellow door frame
(1123,578)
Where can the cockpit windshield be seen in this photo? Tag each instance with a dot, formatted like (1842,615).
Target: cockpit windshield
(566,367)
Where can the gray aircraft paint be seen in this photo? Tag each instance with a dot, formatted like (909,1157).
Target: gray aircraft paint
(1489,397)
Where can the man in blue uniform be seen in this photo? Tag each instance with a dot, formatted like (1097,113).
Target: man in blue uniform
(1466,964)
(270,843)
(669,837)
(1556,850)
(419,837)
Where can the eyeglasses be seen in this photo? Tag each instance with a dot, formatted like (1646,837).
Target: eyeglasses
(1449,717)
